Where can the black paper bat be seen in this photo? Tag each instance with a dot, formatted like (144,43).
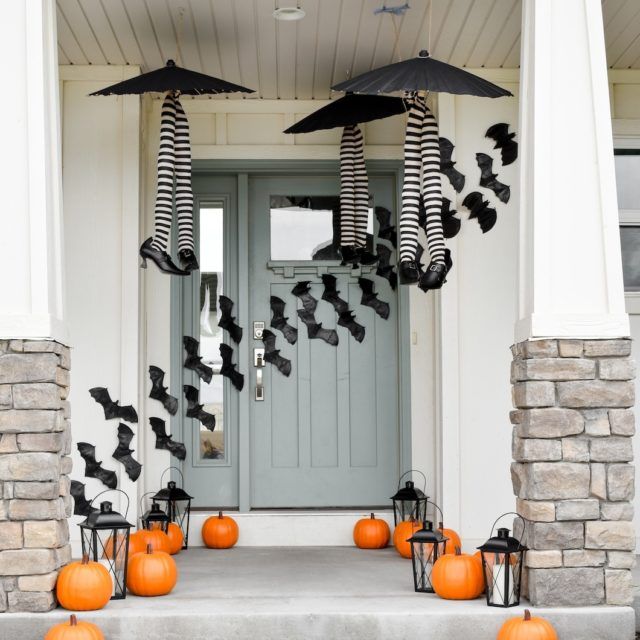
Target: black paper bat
(272,355)
(386,230)
(447,165)
(228,369)
(195,410)
(315,329)
(159,391)
(504,141)
(227,321)
(370,298)
(330,293)
(113,409)
(385,268)
(419,254)
(164,441)
(480,210)
(348,320)
(123,452)
(81,506)
(450,224)
(93,468)
(279,321)
(301,291)
(193,361)
(488,179)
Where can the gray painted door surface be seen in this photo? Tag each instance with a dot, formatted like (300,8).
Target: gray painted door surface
(329,434)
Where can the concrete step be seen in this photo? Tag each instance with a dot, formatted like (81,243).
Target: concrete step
(309,593)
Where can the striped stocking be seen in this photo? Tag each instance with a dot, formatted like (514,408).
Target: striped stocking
(184,194)
(354,189)
(361,192)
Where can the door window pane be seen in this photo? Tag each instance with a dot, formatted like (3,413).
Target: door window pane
(627,162)
(630,242)
(308,228)
(212,443)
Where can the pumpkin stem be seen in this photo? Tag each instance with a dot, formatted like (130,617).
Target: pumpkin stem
(149,549)
(73,621)
(527,614)
(219,514)
(458,551)
(85,559)
(372,517)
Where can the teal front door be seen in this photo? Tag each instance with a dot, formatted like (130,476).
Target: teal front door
(328,435)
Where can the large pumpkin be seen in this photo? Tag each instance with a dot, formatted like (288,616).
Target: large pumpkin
(220,532)
(176,539)
(74,630)
(527,628)
(370,533)
(84,586)
(457,577)
(403,531)
(152,573)
(453,541)
(158,539)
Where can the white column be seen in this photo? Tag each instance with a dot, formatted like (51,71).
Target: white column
(31,274)
(570,270)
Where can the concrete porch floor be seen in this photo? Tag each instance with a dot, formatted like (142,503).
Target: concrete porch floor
(309,593)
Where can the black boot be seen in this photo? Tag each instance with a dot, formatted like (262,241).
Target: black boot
(188,260)
(366,258)
(408,272)
(161,259)
(349,256)
(436,274)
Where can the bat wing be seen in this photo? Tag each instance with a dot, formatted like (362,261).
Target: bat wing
(272,355)
(93,468)
(164,441)
(450,223)
(489,179)
(229,369)
(159,391)
(347,319)
(190,345)
(81,506)
(447,165)
(331,295)
(301,291)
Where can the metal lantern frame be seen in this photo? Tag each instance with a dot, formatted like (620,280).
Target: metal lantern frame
(502,565)
(410,503)
(105,539)
(432,542)
(155,517)
(178,504)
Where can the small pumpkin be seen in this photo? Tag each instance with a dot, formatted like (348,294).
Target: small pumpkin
(527,628)
(403,531)
(457,577)
(159,540)
(370,533)
(477,556)
(136,543)
(176,539)
(74,630)
(453,541)
(220,532)
(84,586)
(153,573)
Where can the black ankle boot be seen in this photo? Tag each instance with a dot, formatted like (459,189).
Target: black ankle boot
(349,256)
(188,260)
(436,274)
(161,259)
(408,272)
(366,258)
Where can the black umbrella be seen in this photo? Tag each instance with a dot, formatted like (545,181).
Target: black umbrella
(349,110)
(423,73)
(172,78)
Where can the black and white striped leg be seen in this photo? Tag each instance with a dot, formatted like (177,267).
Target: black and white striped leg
(347,188)
(184,194)
(361,188)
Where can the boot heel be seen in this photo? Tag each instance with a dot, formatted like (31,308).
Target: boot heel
(143,262)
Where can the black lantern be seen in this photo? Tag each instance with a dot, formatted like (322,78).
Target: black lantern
(156,518)
(105,539)
(410,503)
(502,562)
(178,505)
(427,546)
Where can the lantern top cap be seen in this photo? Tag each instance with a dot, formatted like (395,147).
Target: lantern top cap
(105,518)
(155,514)
(171,493)
(427,534)
(502,543)
(409,492)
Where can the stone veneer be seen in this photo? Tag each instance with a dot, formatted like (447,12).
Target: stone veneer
(35,440)
(572,448)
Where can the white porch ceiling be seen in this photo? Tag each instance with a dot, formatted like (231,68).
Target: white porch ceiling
(240,41)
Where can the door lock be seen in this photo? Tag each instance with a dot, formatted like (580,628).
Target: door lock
(258,330)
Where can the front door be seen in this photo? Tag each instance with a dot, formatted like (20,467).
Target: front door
(328,435)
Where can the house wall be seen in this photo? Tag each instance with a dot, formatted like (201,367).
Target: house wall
(466,332)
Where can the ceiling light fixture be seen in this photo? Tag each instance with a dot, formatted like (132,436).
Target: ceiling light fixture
(289,13)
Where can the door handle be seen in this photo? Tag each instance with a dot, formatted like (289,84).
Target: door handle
(258,363)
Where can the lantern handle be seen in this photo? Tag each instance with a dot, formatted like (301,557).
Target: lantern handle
(142,497)
(119,491)
(439,510)
(424,486)
(510,513)
(169,469)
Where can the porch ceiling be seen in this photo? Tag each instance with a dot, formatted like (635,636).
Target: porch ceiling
(240,41)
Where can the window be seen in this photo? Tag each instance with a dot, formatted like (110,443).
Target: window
(627,164)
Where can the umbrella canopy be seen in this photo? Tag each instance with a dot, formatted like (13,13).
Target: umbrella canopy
(423,73)
(172,78)
(349,110)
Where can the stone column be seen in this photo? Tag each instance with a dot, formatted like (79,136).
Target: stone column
(572,474)
(35,441)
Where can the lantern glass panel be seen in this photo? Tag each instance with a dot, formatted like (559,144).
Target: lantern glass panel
(156,518)
(424,556)
(109,547)
(415,510)
(502,572)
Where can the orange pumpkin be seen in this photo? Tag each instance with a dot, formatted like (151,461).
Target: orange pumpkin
(159,540)
(74,630)
(370,533)
(457,577)
(153,573)
(119,543)
(477,556)
(527,628)
(136,543)
(84,586)
(176,539)
(220,532)
(453,541)
(403,531)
